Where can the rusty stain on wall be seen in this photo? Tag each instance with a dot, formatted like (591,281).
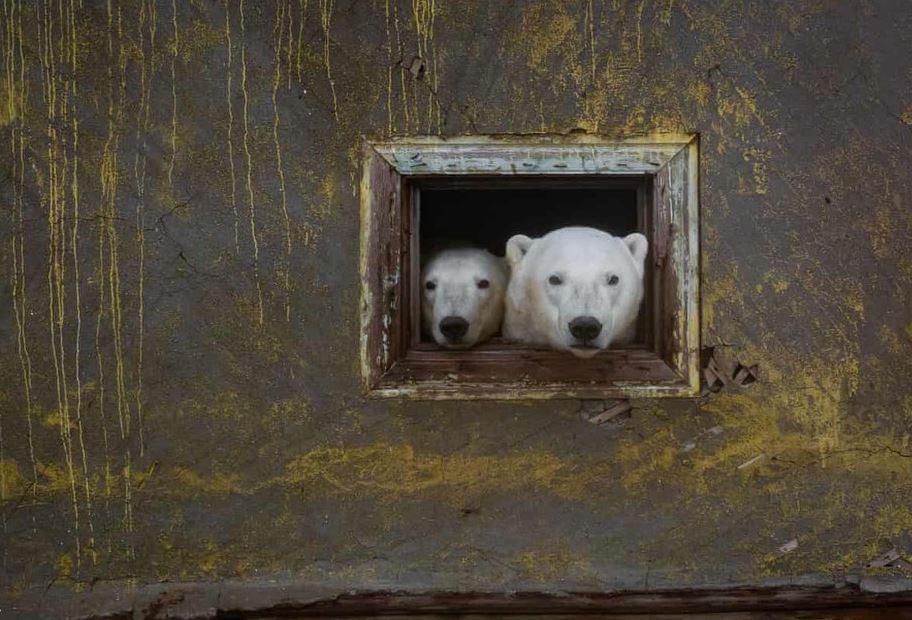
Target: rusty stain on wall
(179,394)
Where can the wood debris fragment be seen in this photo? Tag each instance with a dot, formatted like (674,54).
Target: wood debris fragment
(789,546)
(606,411)
(750,462)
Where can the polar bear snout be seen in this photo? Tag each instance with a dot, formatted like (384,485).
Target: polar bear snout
(462,296)
(576,289)
(585,328)
(454,328)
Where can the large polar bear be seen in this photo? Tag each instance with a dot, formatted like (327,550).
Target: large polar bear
(462,296)
(576,289)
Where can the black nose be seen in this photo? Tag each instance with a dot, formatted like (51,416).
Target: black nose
(585,328)
(454,327)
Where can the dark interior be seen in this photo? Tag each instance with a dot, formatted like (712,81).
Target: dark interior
(486,214)
(488,217)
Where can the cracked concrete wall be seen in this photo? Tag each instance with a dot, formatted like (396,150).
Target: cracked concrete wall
(179,398)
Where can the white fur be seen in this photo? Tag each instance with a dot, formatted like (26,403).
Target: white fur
(456,274)
(539,312)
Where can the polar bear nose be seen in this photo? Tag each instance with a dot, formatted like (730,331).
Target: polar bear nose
(454,327)
(585,328)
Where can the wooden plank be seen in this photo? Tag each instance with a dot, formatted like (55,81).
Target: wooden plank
(381,266)
(675,263)
(816,603)
(859,599)
(535,155)
(528,373)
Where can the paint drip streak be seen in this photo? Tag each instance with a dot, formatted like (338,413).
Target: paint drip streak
(402,90)
(110,264)
(139,172)
(249,158)
(298,64)
(423,13)
(17,88)
(74,65)
(174,50)
(389,70)
(279,33)
(230,130)
(326,13)
(53,46)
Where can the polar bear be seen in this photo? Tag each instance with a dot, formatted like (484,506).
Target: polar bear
(576,289)
(462,296)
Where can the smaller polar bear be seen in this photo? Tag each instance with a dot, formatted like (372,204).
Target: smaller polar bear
(462,296)
(576,289)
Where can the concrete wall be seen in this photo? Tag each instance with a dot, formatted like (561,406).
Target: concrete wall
(179,390)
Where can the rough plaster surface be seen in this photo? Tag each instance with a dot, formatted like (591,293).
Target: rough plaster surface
(179,396)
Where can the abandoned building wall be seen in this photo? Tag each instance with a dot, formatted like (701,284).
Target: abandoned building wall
(179,378)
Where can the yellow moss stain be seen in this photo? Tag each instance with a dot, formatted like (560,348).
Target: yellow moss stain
(907,115)
(890,340)
(643,463)
(739,112)
(328,198)
(549,33)
(194,483)
(548,567)
(816,397)
(776,282)
(57,419)
(212,559)
(758,160)
(53,478)
(12,483)
(880,229)
(9,112)
(197,40)
(397,469)
(721,292)
(64,566)
(797,413)
(699,92)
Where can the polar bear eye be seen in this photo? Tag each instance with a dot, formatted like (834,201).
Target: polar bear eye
(483,284)
(613,280)
(555,281)
(430,285)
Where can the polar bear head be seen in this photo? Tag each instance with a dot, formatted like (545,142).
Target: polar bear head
(462,296)
(576,289)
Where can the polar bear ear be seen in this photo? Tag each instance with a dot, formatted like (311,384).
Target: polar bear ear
(517,247)
(638,246)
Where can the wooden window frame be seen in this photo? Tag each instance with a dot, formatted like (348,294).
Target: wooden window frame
(393,361)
